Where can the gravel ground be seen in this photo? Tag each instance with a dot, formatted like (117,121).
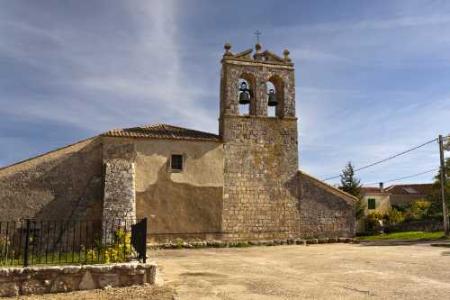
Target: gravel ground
(132,292)
(326,271)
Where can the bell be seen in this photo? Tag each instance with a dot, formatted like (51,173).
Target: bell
(244,95)
(272,98)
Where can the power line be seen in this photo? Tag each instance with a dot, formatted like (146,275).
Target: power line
(386,159)
(406,177)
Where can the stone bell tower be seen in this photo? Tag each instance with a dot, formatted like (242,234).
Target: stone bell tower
(261,153)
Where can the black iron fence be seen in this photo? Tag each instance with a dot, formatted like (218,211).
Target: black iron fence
(32,242)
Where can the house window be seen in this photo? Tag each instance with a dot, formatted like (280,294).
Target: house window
(370,203)
(176,163)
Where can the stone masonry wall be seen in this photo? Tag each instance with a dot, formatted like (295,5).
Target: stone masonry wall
(120,193)
(66,183)
(260,190)
(324,210)
(120,197)
(264,194)
(261,153)
(57,279)
(260,74)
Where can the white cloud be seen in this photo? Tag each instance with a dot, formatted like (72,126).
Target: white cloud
(134,69)
(108,83)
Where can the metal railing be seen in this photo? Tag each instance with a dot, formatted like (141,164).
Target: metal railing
(32,242)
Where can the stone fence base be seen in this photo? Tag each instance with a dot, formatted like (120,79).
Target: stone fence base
(179,243)
(418,225)
(55,279)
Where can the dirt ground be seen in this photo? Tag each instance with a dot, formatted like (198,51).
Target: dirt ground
(326,271)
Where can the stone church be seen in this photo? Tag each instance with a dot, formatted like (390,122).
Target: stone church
(241,184)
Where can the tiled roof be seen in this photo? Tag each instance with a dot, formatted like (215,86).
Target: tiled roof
(163,131)
(410,189)
(401,189)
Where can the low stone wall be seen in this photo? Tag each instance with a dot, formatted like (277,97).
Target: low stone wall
(56,279)
(419,225)
(179,244)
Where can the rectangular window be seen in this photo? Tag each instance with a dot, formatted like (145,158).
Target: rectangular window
(371,203)
(176,162)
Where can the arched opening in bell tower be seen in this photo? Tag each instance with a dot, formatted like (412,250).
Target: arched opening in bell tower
(275,96)
(246,94)
(271,92)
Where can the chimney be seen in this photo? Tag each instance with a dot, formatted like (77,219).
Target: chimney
(381,187)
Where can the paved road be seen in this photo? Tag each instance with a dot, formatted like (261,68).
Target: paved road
(326,271)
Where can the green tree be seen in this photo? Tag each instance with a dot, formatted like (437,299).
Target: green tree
(435,195)
(352,185)
(349,183)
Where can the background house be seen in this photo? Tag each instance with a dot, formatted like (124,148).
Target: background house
(380,199)
(403,195)
(375,199)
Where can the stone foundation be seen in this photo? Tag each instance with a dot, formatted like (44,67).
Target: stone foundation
(56,279)
(179,244)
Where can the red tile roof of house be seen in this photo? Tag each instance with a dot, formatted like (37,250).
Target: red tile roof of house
(401,189)
(162,131)
(410,189)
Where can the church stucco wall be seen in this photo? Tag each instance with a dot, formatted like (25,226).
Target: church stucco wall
(179,204)
(63,184)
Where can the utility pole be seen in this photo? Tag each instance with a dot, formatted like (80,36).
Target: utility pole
(443,181)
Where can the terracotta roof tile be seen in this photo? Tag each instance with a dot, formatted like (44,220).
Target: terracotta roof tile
(162,131)
(410,189)
(401,189)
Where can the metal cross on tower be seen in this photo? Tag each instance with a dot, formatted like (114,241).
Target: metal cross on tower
(257,34)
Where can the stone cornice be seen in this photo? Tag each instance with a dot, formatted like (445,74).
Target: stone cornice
(254,63)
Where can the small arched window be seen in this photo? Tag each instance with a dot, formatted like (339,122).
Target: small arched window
(246,94)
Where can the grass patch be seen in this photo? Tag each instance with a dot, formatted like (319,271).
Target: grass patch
(407,235)
(72,258)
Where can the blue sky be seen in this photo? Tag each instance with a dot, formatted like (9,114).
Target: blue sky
(372,76)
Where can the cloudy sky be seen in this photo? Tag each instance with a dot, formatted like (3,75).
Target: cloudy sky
(373,77)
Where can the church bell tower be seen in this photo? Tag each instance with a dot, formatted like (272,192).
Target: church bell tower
(258,127)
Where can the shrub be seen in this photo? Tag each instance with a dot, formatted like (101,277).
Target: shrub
(119,251)
(395,216)
(373,221)
(179,243)
(418,210)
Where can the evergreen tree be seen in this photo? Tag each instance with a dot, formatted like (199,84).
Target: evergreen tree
(352,185)
(349,183)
